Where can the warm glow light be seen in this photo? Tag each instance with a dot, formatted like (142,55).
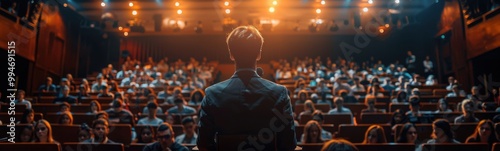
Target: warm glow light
(226,3)
(318,10)
(130,4)
(120,28)
(65,5)
(179,11)
(275,3)
(103,4)
(370,1)
(387,25)
(228,11)
(134,12)
(125,33)
(177,4)
(381,30)
(271,9)
(323,2)
(397,1)
(365,9)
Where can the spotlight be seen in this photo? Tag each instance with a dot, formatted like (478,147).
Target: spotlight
(134,12)
(179,11)
(365,9)
(130,4)
(323,2)
(177,4)
(125,33)
(103,4)
(387,25)
(397,1)
(226,3)
(65,4)
(370,1)
(318,11)
(381,30)
(271,9)
(228,11)
(120,28)
(275,3)
(92,25)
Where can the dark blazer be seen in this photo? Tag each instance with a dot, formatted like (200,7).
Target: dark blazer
(51,88)
(247,105)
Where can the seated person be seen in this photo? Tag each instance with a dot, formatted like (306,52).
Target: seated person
(309,109)
(48,86)
(312,133)
(358,87)
(401,97)
(339,145)
(117,114)
(196,97)
(408,134)
(151,119)
(375,134)
(151,98)
(443,106)
(180,108)
(340,109)
(370,105)
(189,128)
(20,99)
(66,97)
(165,140)
(468,113)
(376,91)
(43,132)
(147,135)
(301,97)
(484,133)
(66,118)
(97,86)
(100,129)
(318,117)
(414,115)
(164,94)
(64,107)
(347,98)
(84,133)
(456,92)
(442,132)
(26,134)
(105,92)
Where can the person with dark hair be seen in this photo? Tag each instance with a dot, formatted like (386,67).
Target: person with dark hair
(309,109)
(468,113)
(245,96)
(43,132)
(28,117)
(414,113)
(312,133)
(165,140)
(26,134)
(84,133)
(484,133)
(410,62)
(181,108)
(196,97)
(117,114)
(20,99)
(65,97)
(441,132)
(147,135)
(48,86)
(189,136)
(318,117)
(64,107)
(443,106)
(152,99)
(151,119)
(66,118)
(397,118)
(339,145)
(347,98)
(401,97)
(375,134)
(102,114)
(301,97)
(95,107)
(340,109)
(370,105)
(100,129)
(105,92)
(408,134)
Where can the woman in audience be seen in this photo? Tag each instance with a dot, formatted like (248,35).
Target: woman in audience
(401,97)
(28,117)
(375,134)
(339,145)
(196,97)
(115,87)
(26,134)
(86,85)
(169,119)
(309,108)
(430,80)
(66,118)
(95,107)
(408,134)
(485,133)
(147,135)
(370,105)
(443,106)
(302,97)
(441,132)
(43,132)
(84,133)
(318,117)
(82,92)
(312,133)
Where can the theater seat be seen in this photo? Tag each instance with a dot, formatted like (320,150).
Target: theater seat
(135,147)
(121,133)
(30,146)
(65,133)
(75,146)
(375,118)
(385,147)
(78,118)
(455,147)
(356,133)
(299,130)
(5,117)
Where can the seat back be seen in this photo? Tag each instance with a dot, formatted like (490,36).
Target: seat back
(78,118)
(75,146)
(375,118)
(30,146)
(337,119)
(468,146)
(136,147)
(5,117)
(356,133)
(300,107)
(495,147)
(65,133)
(299,130)
(385,147)
(121,133)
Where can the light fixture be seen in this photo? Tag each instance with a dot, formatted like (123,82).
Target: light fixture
(134,12)
(323,2)
(130,4)
(125,33)
(177,4)
(103,4)
(397,1)
(381,30)
(271,9)
(387,25)
(228,11)
(65,4)
(226,3)
(120,28)
(318,11)
(370,1)
(179,11)
(275,3)
(365,9)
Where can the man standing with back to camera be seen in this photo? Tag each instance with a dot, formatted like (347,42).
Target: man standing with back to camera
(246,105)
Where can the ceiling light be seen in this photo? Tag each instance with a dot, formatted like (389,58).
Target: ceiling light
(228,11)
(365,9)
(125,33)
(271,9)
(177,4)
(226,3)
(103,4)
(381,30)
(134,12)
(323,2)
(318,11)
(179,11)
(275,3)
(130,4)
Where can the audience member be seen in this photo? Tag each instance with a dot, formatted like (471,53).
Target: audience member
(100,129)
(147,135)
(28,117)
(340,109)
(318,117)
(151,119)
(84,133)
(196,97)
(95,107)
(468,113)
(375,134)
(312,133)
(408,134)
(401,97)
(309,109)
(152,99)
(48,86)
(441,132)
(117,114)
(484,133)
(180,108)
(339,145)
(20,99)
(43,132)
(165,140)
(370,105)
(26,134)
(443,106)
(65,97)
(66,118)
(189,128)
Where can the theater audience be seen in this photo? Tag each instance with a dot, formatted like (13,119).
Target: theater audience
(147,135)
(339,145)
(408,134)
(95,107)
(48,86)
(66,118)
(100,129)
(370,105)
(441,132)
(375,134)
(151,119)
(43,132)
(20,99)
(189,136)
(66,97)
(443,106)
(312,133)
(165,140)
(180,108)
(484,133)
(340,109)
(468,113)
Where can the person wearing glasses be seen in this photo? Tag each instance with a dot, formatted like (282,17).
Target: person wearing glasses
(165,140)
(100,131)
(43,132)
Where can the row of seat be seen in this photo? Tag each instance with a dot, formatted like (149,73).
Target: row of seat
(75,146)
(388,99)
